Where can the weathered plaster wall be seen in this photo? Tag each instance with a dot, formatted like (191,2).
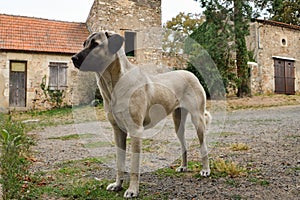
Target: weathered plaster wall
(267,41)
(37,67)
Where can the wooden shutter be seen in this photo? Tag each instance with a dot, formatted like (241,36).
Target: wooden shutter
(62,77)
(57,76)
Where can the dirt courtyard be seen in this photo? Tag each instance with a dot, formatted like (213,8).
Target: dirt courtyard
(268,126)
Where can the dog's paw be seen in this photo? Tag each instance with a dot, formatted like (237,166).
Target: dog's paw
(181,169)
(114,187)
(131,193)
(205,172)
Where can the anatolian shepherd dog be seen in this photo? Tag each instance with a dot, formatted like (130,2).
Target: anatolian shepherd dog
(135,101)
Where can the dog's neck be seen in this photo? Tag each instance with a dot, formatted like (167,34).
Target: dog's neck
(108,79)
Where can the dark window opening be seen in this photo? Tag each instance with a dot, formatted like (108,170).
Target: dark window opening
(130,43)
(283,42)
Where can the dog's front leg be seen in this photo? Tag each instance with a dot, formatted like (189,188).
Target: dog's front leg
(133,189)
(120,140)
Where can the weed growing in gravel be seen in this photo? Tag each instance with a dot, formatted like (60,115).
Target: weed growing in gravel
(222,168)
(239,147)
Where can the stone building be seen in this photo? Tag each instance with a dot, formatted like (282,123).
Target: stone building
(139,21)
(276,48)
(33,48)
(37,51)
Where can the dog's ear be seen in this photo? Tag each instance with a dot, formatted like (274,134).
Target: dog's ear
(115,42)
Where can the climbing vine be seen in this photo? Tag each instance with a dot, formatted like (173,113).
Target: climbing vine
(54,96)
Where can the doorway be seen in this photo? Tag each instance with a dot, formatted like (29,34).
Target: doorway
(284,76)
(17,83)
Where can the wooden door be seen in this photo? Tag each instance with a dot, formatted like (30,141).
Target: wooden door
(289,77)
(284,76)
(17,84)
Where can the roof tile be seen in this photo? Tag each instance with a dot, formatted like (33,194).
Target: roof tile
(41,35)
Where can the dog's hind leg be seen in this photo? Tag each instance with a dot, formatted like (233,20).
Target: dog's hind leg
(179,118)
(120,140)
(200,125)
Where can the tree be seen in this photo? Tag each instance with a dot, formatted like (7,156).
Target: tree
(241,18)
(185,23)
(177,29)
(234,17)
(287,11)
(215,36)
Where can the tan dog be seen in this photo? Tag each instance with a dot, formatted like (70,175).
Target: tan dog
(136,101)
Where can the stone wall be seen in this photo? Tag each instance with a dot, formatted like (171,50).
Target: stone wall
(124,15)
(267,40)
(140,16)
(37,68)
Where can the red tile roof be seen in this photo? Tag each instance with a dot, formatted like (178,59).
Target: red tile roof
(41,35)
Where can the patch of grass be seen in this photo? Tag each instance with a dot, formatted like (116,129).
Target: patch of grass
(98,144)
(59,116)
(71,188)
(232,182)
(74,180)
(194,167)
(223,168)
(169,171)
(293,136)
(262,101)
(259,181)
(73,136)
(66,137)
(264,183)
(239,147)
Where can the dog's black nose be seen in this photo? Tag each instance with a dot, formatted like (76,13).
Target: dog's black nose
(75,60)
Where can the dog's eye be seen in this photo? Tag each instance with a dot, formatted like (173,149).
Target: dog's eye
(93,43)
(84,43)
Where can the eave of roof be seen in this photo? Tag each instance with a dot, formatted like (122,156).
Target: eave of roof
(280,24)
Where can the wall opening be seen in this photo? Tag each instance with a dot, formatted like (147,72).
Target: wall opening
(130,43)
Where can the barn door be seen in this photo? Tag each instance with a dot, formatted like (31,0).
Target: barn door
(284,76)
(17,84)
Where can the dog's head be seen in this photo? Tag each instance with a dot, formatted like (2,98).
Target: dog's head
(98,52)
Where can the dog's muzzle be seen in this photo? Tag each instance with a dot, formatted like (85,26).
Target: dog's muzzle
(91,60)
(76,61)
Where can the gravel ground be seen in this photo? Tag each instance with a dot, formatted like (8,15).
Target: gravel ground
(273,135)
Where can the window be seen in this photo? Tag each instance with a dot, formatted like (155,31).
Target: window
(130,43)
(57,76)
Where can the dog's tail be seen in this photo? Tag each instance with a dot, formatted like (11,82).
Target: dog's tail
(207,118)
